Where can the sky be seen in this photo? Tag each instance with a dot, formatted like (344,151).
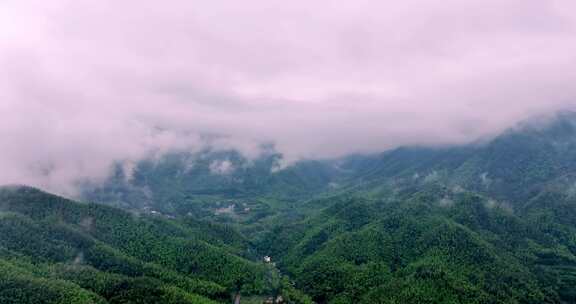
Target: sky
(86,83)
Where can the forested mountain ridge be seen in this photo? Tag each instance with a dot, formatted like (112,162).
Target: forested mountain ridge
(432,246)
(531,157)
(489,222)
(53,250)
(492,222)
(196,182)
(534,156)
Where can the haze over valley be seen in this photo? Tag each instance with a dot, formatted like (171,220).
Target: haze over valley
(417,151)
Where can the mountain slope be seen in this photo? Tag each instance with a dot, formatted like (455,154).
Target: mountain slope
(490,222)
(483,223)
(215,185)
(434,247)
(535,156)
(86,253)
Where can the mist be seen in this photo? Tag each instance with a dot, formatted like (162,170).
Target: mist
(87,83)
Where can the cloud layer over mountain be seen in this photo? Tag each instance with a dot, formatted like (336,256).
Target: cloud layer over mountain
(86,82)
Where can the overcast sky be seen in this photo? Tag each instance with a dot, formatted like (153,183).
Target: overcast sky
(86,82)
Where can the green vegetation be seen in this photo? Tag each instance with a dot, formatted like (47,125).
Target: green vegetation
(420,252)
(492,222)
(99,254)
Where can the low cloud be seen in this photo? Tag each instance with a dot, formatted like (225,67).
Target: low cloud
(85,83)
(221,167)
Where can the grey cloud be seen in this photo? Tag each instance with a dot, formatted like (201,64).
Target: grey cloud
(85,83)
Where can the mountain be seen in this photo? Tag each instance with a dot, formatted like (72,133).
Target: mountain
(431,246)
(218,186)
(53,250)
(530,158)
(491,222)
(487,222)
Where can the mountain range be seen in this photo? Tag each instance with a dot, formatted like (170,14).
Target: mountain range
(486,222)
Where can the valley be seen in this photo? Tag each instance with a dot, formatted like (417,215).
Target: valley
(490,222)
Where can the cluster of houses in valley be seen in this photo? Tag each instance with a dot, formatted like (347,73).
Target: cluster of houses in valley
(232,208)
(150,211)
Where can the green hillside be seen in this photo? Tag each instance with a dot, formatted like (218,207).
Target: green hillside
(434,247)
(488,222)
(53,250)
(484,223)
